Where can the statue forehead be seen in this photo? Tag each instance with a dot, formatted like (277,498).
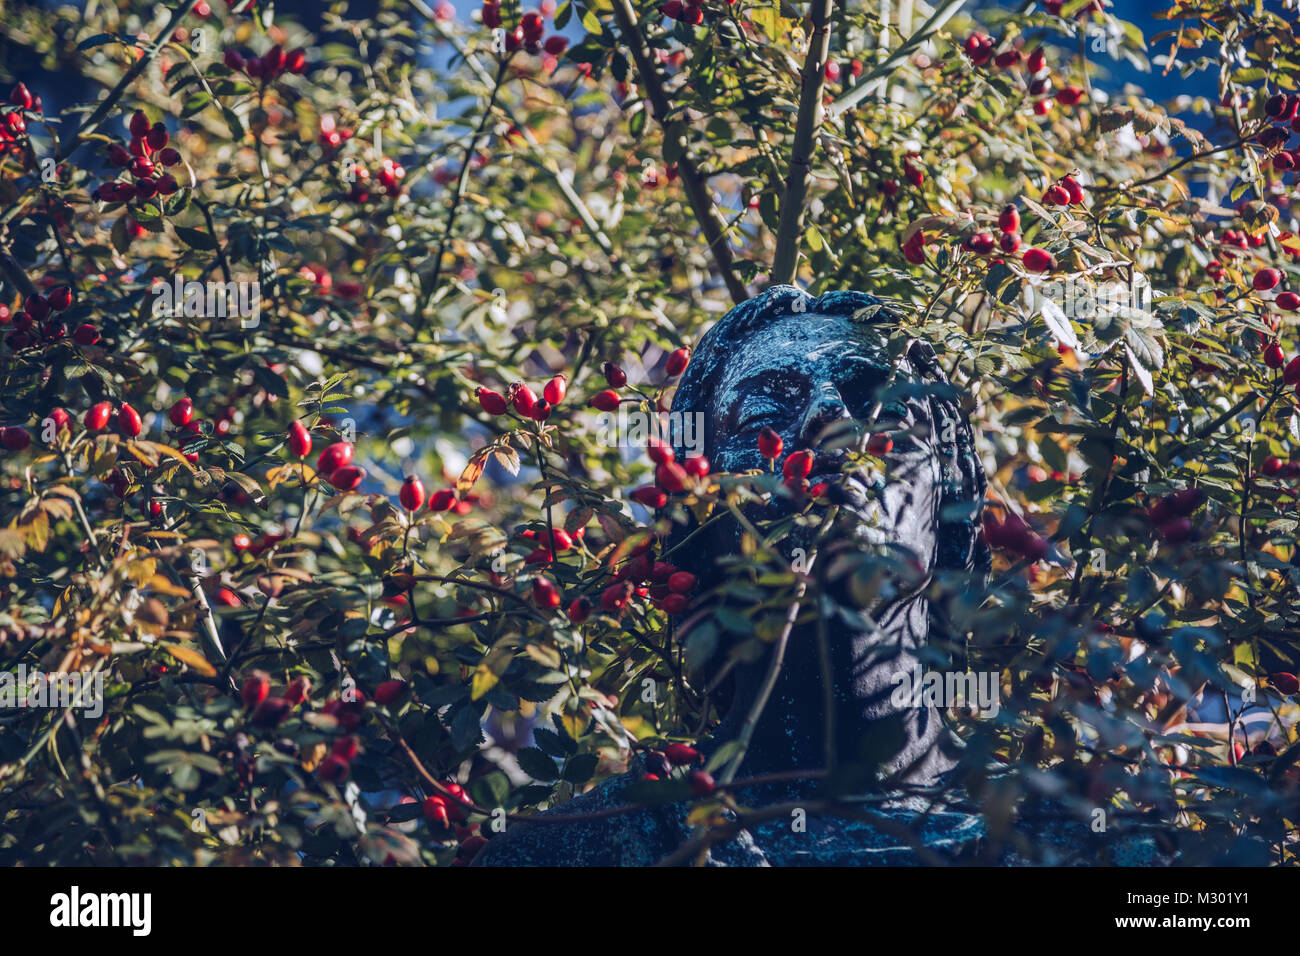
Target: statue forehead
(813,348)
(780,339)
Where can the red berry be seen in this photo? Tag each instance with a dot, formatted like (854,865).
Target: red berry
(556,45)
(533,26)
(614,597)
(1285,682)
(798,465)
(128,420)
(411,494)
(677,362)
(347,478)
(1266,279)
(442,500)
(37,307)
(614,375)
(1288,301)
(241,542)
(555,390)
(255,689)
(169,157)
(1009,219)
(682,582)
(299,440)
(1274,357)
(181,413)
(696,467)
(770,443)
(1073,190)
(1009,243)
(579,610)
(335,456)
(389,692)
(1056,195)
(606,401)
(491,15)
(435,810)
(659,451)
(675,603)
(1070,95)
(272,61)
(523,398)
(139,123)
(650,496)
(879,445)
(21,97)
(15,437)
(545,593)
(701,782)
(98,415)
(832,71)
(682,755)
(494,403)
(295,61)
(1038,260)
(157,136)
(233,59)
(671,477)
(85,334)
(333,769)
(59,298)
(979,47)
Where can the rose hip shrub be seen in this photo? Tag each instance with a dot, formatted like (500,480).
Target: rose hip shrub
(342,539)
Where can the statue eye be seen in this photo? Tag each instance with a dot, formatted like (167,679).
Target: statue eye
(756,412)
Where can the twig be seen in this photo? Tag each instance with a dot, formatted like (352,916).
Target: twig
(697,190)
(786,260)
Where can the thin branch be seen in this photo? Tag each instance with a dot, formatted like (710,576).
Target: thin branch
(697,189)
(811,89)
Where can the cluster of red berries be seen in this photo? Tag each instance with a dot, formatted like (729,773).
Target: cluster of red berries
(1275,358)
(13,124)
(1064,192)
(660,765)
(1014,534)
(524,400)
(38,320)
(690,12)
(985,244)
(269,710)
(271,64)
(1285,110)
(528,34)
(331,135)
(1171,515)
(980,48)
(143,160)
(389,177)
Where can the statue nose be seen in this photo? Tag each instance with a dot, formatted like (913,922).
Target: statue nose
(826,409)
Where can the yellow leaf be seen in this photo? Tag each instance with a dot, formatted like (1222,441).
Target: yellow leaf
(191,659)
(297,472)
(162,585)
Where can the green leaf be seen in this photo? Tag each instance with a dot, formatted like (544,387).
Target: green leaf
(195,238)
(581,768)
(537,764)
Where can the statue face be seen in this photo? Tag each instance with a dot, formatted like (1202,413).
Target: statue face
(816,378)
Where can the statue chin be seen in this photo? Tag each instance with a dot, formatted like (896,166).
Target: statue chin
(818,371)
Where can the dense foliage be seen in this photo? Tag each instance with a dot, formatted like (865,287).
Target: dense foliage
(308,658)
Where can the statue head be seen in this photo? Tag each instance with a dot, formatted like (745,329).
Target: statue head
(821,373)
